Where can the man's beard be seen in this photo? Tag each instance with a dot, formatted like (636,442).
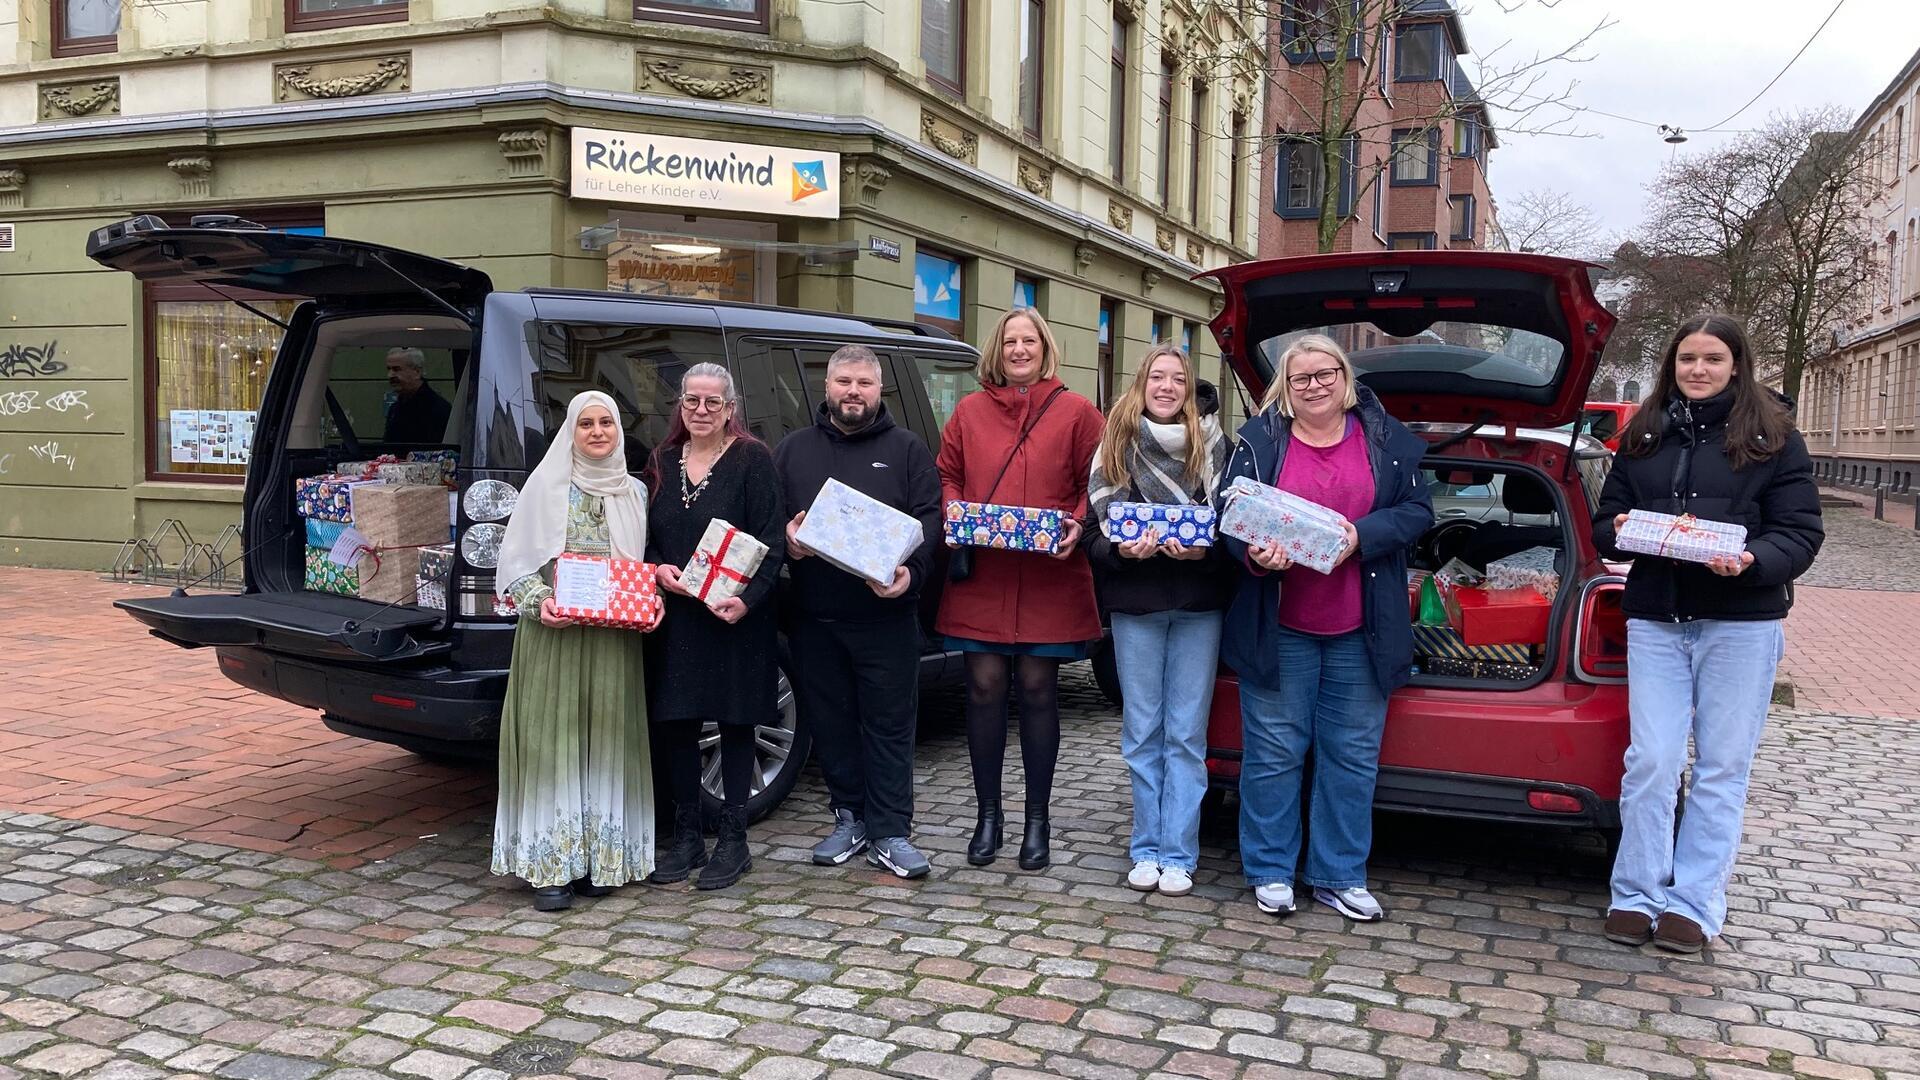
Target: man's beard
(857,417)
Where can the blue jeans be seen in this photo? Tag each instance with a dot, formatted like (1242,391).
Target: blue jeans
(1712,679)
(1166,662)
(1332,703)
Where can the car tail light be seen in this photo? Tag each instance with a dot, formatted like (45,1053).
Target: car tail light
(1553,802)
(1600,641)
(394,702)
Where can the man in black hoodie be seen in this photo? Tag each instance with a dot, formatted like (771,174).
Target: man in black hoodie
(855,644)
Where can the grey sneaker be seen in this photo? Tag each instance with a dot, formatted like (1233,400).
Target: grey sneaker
(894,853)
(848,837)
(1356,904)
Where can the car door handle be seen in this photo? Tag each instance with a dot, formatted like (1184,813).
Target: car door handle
(1453,512)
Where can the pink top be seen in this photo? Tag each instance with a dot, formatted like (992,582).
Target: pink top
(1340,478)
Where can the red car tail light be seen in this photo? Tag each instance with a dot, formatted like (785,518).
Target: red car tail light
(1601,639)
(1553,802)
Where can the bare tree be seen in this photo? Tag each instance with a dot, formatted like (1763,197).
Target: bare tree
(1325,73)
(1551,223)
(1770,228)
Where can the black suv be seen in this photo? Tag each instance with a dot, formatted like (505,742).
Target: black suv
(507,363)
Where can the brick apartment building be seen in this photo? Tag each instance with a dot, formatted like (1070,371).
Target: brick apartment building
(1414,168)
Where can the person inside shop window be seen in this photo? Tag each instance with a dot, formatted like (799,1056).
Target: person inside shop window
(415,412)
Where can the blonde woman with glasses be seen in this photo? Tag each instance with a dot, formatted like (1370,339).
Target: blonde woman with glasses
(1317,654)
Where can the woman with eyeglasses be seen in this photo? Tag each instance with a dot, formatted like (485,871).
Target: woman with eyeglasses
(1317,654)
(711,665)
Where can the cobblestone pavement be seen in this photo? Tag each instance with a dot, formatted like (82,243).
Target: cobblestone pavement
(1861,553)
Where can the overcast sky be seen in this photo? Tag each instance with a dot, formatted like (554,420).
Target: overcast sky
(1687,63)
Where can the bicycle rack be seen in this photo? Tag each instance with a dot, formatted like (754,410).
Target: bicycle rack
(217,557)
(142,560)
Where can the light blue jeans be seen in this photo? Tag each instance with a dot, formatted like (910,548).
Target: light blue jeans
(1166,663)
(1332,703)
(1712,679)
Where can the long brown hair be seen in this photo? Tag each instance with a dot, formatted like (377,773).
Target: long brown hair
(1757,427)
(1123,424)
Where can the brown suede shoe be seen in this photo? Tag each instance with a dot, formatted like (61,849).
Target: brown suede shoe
(1629,927)
(1679,934)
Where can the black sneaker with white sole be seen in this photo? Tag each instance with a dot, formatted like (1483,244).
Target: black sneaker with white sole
(894,853)
(848,838)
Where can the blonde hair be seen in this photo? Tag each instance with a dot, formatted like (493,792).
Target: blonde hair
(1123,424)
(992,369)
(1310,343)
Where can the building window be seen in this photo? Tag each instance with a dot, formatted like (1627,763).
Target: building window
(943,46)
(1416,53)
(1379,204)
(1104,374)
(1412,241)
(1466,137)
(85,26)
(1166,132)
(1186,338)
(1199,147)
(1033,40)
(1460,214)
(1383,72)
(1117,101)
(1299,178)
(1416,157)
(1309,28)
(1162,328)
(1026,292)
(1237,162)
(937,290)
(327,14)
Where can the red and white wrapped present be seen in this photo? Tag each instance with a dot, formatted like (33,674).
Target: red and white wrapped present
(1261,515)
(722,564)
(597,591)
(1687,538)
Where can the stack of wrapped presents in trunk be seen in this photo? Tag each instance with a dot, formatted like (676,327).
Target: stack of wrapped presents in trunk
(370,526)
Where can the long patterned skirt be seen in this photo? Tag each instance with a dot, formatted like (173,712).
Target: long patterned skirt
(576,779)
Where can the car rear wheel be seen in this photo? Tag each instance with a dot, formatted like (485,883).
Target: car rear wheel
(780,746)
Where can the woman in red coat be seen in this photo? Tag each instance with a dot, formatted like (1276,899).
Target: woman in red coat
(1019,612)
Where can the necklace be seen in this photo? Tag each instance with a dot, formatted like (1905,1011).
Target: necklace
(688,495)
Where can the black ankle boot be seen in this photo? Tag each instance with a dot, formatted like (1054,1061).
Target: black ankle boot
(1033,848)
(986,834)
(553,898)
(585,887)
(686,853)
(730,856)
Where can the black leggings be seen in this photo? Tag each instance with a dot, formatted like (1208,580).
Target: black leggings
(679,743)
(1039,679)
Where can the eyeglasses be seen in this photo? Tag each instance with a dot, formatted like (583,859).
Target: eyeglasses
(1325,377)
(695,403)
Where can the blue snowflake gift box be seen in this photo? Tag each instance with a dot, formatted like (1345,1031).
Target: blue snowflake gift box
(1014,528)
(1191,525)
(858,533)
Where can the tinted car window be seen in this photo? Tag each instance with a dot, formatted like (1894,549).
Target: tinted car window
(947,381)
(638,366)
(813,375)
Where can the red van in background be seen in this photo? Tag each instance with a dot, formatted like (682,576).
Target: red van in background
(1605,420)
(1483,354)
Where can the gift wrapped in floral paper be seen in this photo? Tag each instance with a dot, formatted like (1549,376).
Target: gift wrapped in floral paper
(436,570)
(325,575)
(1535,568)
(448,460)
(722,564)
(859,533)
(328,497)
(366,470)
(1687,538)
(1015,528)
(1192,525)
(1265,516)
(411,473)
(599,591)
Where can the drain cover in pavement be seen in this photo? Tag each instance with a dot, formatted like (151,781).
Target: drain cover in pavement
(533,1056)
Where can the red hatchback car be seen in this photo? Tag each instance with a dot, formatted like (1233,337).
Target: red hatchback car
(1481,353)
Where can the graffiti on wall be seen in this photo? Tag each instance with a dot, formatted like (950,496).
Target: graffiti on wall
(22,402)
(30,360)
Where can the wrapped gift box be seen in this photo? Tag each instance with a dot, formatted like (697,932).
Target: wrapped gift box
(1452,667)
(1685,537)
(448,460)
(1265,516)
(395,515)
(599,591)
(858,533)
(1535,568)
(1191,525)
(389,575)
(436,571)
(325,575)
(328,497)
(993,525)
(1415,579)
(1446,642)
(410,473)
(722,564)
(322,533)
(1499,616)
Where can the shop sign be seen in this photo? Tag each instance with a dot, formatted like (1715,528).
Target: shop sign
(883,248)
(663,170)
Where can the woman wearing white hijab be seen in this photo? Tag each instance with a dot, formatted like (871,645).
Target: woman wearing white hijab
(575,813)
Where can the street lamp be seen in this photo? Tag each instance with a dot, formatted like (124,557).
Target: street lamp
(1673,134)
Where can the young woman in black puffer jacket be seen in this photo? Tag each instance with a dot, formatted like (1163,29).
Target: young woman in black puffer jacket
(1703,641)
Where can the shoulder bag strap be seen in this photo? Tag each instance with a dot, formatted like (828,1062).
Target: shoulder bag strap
(1022,440)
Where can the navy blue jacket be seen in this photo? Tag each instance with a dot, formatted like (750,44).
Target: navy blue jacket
(1402,512)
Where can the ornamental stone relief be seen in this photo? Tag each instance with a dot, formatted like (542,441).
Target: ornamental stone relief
(86,97)
(356,77)
(709,80)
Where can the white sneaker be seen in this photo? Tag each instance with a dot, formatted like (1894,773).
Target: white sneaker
(1356,904)
(1274,899)
(1175,881)
(1143,877)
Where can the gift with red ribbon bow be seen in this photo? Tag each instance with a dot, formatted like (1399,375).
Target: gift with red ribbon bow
(722,564)
(597,591)
(1682,536)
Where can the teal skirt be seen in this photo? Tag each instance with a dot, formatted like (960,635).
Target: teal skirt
(1061,650)
(576,776)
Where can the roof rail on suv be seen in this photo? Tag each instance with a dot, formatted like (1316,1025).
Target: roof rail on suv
(900,325)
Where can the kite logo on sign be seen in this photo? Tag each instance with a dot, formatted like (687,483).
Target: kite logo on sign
(809,178)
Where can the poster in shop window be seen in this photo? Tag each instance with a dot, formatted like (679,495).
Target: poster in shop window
(183,436)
